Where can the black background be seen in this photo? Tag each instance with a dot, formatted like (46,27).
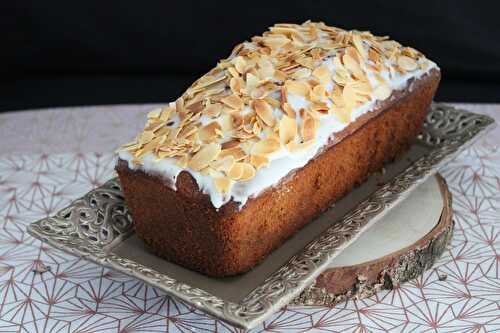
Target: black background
(56,53)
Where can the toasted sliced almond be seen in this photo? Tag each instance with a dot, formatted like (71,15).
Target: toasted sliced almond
(240,64)
(309,128)
(259,93)
(352,65)
(223,164)
(259,161)
(205,82)
(318,93)
(273,102)
(272,133)
(182,161)
(213,110)
(373,55)
(319,108)
(151,146)
(237,120)
(280,75)
(179,105)
(153,124)
(243,134)
(204,156)
(343,114)
(195,107)
(411,52)
(266,68)
(234,73)
(382,92)
(358,44)
(207,171)
(349,96)
(297,88)
(287,129)
(208,132)
(252,81)
(289,111)
(341,77)
(130,146)
(236,152)
(265,147)
(233,102)
(306,62)
(236,171)
(275,42)
(380,78)
(223,184)
(226,122)
(301,73)
(248,172)
(166,113)
(187,131)
(316,53)
(407,63)
(322,73)
(155,113)
(353,53)
(264,111)
(230,144)
(256,128)
(146,136)
(236,83)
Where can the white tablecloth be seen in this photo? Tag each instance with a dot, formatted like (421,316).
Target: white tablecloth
(50,157)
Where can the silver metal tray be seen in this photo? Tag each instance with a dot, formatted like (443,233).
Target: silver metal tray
(98,227)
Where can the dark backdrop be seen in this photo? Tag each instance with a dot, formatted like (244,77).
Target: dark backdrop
(58,53)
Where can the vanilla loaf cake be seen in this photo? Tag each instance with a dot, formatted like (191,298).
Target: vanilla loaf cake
(269,139)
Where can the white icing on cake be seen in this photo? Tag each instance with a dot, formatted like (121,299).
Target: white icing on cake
(281,162)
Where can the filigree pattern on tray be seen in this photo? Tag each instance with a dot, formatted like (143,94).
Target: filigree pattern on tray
(90,226)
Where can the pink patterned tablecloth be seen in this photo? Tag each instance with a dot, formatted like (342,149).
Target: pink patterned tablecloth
(50,157)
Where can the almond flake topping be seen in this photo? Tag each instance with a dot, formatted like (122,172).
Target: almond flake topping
(204,156)
(309,127)
(223,184)
(289,111)
(236,152)
(323,74)
(297,88)
(259,161)
(240,171)
(382,92)
(264,111)
(287,129)
(154,113)
(209,132)
(271,95)
(223,164)
(407,63)
(248,171)
(233,102)
(266,147)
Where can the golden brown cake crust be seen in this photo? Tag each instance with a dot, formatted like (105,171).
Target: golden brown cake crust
(184,227)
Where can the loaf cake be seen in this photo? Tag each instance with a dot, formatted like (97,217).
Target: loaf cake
(270,138)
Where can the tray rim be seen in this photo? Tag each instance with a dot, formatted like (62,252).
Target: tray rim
(448,130)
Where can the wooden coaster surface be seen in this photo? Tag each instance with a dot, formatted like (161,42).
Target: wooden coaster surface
(398,248)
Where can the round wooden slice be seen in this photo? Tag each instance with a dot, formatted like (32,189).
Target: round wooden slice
(396,249)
